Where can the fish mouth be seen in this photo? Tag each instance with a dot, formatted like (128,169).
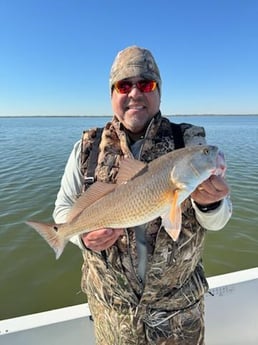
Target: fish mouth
(221,166)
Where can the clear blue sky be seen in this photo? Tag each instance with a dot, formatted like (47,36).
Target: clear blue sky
(55,55)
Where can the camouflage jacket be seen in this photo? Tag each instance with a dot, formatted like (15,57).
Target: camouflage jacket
(174,274)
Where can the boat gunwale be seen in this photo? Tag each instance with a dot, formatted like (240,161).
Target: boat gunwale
(50,317)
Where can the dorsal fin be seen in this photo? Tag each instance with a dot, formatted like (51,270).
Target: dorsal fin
(129,168)
(93,194)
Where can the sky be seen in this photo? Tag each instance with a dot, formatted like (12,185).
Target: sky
(55,55)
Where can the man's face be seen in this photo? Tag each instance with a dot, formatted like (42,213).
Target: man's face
(135,109)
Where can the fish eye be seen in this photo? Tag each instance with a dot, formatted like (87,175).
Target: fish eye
(206,151)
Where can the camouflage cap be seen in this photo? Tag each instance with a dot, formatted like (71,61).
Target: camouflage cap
(133,62)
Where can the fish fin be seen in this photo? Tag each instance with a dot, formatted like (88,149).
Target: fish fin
(172,221)
(93,194)
(130,168)
(175,179)
(50,233)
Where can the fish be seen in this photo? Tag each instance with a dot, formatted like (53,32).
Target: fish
(141,193)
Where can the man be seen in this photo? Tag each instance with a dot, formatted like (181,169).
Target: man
(142,287)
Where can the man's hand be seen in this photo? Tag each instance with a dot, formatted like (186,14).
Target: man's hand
(212,190)
(101,239)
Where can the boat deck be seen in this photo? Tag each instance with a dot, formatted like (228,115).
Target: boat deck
(231,317)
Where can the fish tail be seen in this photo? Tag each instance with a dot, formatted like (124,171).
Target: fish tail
(51,234)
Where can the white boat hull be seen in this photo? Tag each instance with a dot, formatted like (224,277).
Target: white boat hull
(231,317)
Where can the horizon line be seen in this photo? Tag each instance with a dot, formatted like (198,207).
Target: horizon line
(203,114)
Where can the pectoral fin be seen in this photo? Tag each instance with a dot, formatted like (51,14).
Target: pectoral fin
(172,221)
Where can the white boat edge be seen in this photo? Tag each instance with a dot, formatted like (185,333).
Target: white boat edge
(231,317)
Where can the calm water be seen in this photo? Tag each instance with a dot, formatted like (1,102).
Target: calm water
(33,155)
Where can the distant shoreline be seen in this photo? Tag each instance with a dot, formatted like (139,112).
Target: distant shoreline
(108,116)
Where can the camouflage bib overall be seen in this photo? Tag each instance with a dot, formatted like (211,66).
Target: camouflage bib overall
(168,307)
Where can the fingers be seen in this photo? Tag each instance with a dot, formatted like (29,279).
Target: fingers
(211,190)
(219,184)
(101,239)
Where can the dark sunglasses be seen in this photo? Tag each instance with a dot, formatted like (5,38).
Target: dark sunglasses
(125,86)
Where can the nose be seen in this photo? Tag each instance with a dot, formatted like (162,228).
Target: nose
(134,91)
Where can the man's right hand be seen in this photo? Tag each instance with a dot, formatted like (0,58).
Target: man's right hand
(102,239)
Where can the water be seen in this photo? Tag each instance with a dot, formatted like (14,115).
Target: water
(33,156)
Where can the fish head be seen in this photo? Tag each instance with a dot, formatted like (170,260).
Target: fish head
(195,165)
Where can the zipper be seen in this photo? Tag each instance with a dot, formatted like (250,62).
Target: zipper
(136,275)
(145,136)
(138,278)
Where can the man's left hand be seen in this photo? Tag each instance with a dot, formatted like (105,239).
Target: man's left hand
(212,190)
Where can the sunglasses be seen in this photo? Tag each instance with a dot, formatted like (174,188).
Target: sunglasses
(125,86)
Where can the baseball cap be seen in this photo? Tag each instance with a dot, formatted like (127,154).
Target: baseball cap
(134,61)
